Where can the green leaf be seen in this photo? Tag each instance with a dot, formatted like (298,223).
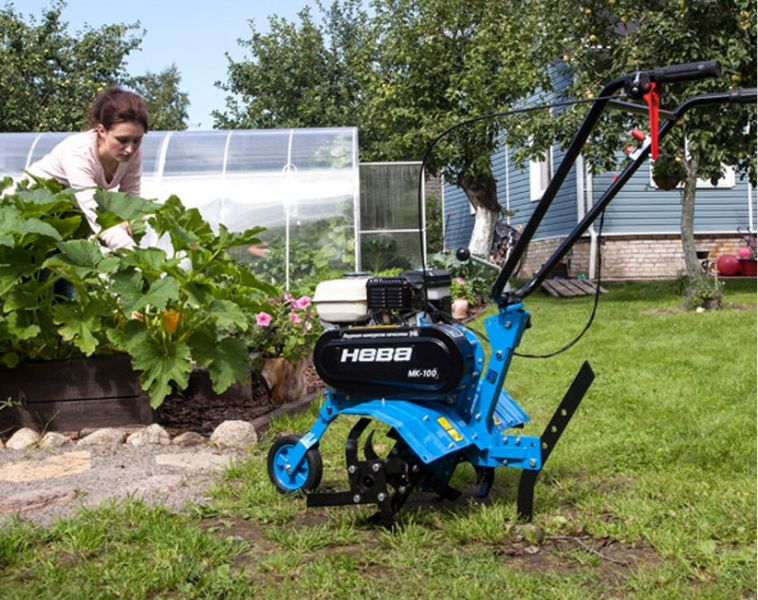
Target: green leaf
(159,294)
(203,345)
(79,324)
(147,259)
(227,313)
(81,253)
(20,328)
(10,360)
(122,206)
(127,285)
(30,226)
(230,363)
(199,293)
(159,367)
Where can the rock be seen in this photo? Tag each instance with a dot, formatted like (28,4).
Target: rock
(189,438)
(60,465)
(157,484)
(199,461)
(152,435)
(34,499)
(234,434)
(53,439)
(23,438)
(106,435)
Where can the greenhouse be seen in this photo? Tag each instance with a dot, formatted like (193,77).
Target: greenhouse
(304,185)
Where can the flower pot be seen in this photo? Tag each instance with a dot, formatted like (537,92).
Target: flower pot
(460,308)
(285,380)
(666,182)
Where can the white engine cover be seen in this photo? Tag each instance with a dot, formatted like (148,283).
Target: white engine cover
(342,300)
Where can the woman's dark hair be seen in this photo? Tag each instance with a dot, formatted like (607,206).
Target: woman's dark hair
(114,105)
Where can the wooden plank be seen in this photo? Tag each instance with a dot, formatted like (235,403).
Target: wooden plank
(70,380)
(569,288)
(73,415)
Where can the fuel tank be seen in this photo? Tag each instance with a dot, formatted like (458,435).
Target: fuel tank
(396,361)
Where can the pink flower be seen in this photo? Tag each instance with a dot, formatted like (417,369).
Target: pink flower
(263,319)
(294,317)
(302,302)
(291,299)
(460,280)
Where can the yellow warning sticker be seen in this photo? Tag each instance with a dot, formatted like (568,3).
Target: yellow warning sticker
(496,420)
(451,431)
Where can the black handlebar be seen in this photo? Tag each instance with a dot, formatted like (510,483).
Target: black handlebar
(686,72)
(636,85)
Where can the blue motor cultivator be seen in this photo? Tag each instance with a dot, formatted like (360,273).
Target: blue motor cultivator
(427,381)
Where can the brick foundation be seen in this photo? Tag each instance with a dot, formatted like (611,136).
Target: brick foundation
(633,256)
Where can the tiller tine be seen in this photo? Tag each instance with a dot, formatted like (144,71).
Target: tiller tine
(385,482)
(552,434)
(485,477)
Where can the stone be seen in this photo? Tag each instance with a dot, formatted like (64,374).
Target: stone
(234,434)
(36,499)
(23,438)
(197,461)
(51,467)
(53,439)
(151,435)
(106,435)
(157,484)
(189,438)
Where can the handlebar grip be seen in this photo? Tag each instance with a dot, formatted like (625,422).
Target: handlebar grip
(687,72)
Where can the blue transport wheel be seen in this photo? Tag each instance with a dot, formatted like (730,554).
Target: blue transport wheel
(282,473)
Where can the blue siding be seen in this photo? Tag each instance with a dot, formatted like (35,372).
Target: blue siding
(642,208)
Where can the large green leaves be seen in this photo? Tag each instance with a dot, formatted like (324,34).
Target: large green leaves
(167,313)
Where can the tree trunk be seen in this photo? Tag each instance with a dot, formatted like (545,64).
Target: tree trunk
(481,191)
(694,269)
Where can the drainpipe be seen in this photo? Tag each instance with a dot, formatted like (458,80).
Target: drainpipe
(750,227)
(593,233)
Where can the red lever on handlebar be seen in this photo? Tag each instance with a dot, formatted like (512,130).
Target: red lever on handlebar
(653,100)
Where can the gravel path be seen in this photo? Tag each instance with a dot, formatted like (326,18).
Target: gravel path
(42,485)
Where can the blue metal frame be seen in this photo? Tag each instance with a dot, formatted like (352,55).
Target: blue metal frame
(473,424)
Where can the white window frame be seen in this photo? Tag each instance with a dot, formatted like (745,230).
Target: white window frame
(540,175)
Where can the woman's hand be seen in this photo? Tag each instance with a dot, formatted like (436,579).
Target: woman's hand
(118,237)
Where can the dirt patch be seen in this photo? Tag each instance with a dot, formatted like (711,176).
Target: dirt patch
(202,413)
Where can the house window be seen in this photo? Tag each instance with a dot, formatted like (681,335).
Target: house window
(540,175)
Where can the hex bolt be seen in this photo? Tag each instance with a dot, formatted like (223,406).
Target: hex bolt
(477,416)
(415,468)
(505,462)
(351,469)
(499,354)
(518,441)
(505,440)
(402,489)
(375,467)
(532,463)
(381,497)
(507,324)
(357,498)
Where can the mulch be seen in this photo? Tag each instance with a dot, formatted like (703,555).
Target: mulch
(203,412)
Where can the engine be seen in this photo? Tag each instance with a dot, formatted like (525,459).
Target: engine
(375,348)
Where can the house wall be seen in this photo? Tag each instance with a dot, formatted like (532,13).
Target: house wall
(649,256)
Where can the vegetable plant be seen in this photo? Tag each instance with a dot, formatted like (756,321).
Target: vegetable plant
(168,310)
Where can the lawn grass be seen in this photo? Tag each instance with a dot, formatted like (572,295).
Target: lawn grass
(649,494)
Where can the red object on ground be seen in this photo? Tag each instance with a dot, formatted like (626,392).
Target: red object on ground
(748,267)
(728,265)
